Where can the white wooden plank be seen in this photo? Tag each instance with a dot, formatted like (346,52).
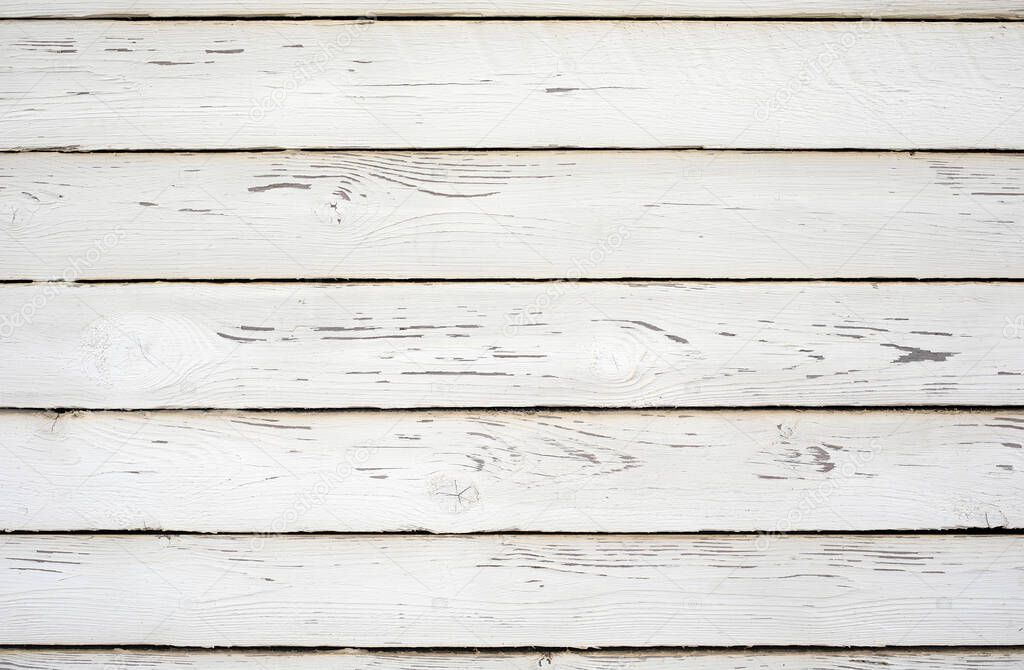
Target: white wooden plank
(25,659)
(301,345)
(415,84)
(562,8)
(512,590)
(493,471)
(511,214)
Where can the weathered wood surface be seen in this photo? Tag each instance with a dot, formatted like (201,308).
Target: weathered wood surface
(557,214)
(468,471)
(338,84)
(608,344)
(31,659)
(511,590)
(605,8)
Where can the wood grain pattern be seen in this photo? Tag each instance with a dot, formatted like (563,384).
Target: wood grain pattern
(591,214)
(468,471)
(480,344)
(606,8)
(512,590)
(221,85)
(445,151)
(357,660)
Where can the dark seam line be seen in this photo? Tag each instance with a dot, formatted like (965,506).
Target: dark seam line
(71,149)
(599,650)
(540,409)
(442,281)
(623,535)
(471,18)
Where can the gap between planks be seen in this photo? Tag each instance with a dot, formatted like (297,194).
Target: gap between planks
(657,650)
(265,149)
(428,18)
(527,658)
(623,535)
(518,280)
(948,408)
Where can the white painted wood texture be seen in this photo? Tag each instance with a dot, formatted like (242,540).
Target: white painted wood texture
(604,8)
(537,214)
(511,590)
(480,344)
(508,86)
(25,659)
(467,471)
(221,85)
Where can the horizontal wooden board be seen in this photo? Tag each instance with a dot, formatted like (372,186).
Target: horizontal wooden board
(511,590)
(25,659)
(545,214)
(480,344)
(604,8)
(338,84)
(492,471)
